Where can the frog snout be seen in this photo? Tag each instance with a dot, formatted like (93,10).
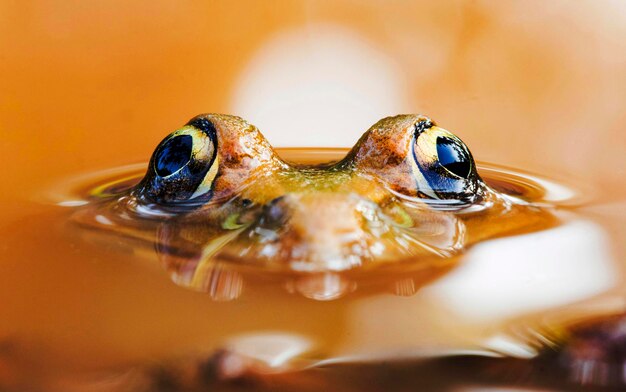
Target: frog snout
(319,230)
(314,213)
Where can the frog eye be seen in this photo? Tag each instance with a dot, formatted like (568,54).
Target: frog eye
(183,166)
(442,164)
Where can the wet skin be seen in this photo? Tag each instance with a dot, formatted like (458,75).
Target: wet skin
(408,193)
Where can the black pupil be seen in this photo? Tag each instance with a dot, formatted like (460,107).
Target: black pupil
(173,155)
(453,157)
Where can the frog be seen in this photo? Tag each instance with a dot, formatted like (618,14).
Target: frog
(406,197)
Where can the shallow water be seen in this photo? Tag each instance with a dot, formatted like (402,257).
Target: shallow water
(93,309)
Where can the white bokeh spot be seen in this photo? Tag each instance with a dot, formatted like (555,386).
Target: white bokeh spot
(321,85)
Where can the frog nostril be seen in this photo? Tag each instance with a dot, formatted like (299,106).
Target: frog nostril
(276,212)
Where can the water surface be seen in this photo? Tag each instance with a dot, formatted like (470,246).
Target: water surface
(84,305)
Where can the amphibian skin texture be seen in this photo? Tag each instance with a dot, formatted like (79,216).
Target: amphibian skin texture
(406,192)
(217,156)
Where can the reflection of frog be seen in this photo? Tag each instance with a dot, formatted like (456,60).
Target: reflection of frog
(216,192)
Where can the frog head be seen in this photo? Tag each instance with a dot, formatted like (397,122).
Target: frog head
(389,199)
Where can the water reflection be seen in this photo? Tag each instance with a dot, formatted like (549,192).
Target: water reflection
(411,244)
(322,287)
(197,258)
(494,282)
(526,273)
(274,349)
(193,259)
(189,264)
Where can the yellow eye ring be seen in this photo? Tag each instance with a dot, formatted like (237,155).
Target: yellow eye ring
(183,167)
(442,164)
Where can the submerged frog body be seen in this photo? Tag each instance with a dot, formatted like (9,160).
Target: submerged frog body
(216,193)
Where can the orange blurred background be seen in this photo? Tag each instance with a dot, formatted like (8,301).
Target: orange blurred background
(89,85)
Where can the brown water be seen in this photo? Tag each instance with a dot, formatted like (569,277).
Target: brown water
(87,309)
